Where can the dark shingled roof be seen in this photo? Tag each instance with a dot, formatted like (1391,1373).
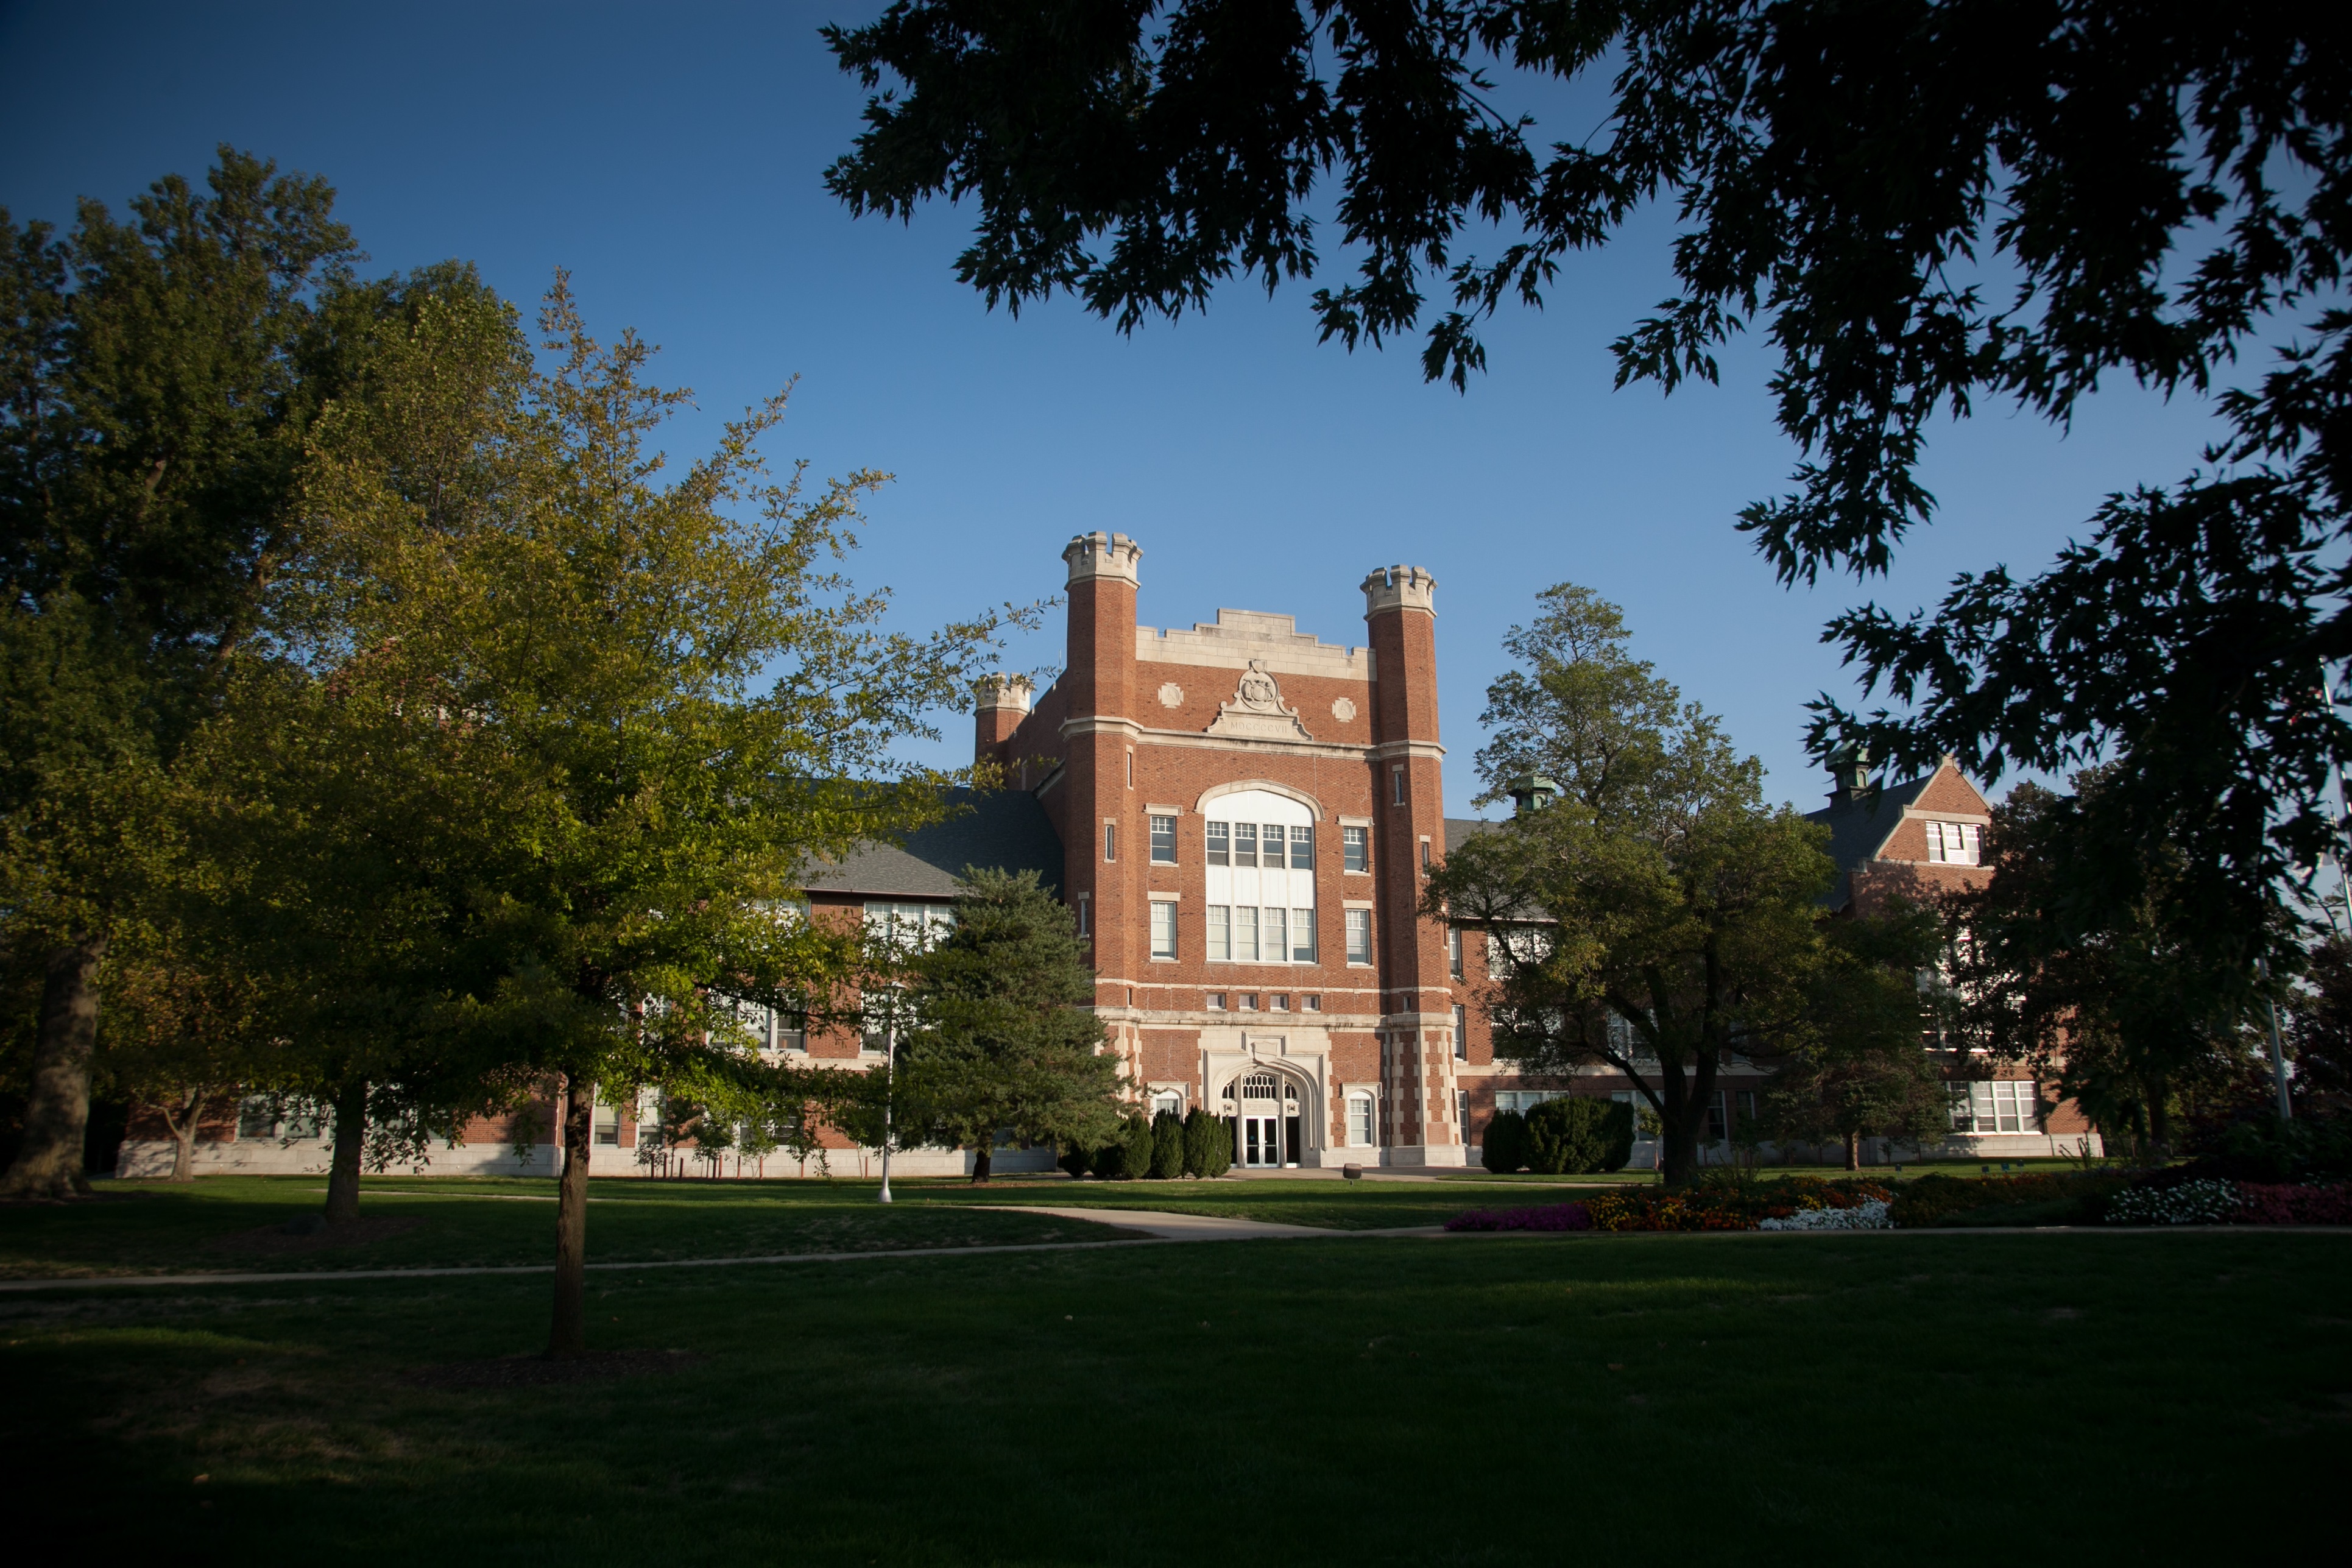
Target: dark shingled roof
(1459,830)
(1859,827)
(995,829)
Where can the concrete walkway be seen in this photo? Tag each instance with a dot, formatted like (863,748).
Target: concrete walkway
(1199,1226)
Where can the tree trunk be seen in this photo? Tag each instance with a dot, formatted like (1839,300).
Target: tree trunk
(350,1143)
(979,1164)
(183,1135)
(57,1113)
(568,1335)
(1678,1146)
(1854,1150)
(2159,1121)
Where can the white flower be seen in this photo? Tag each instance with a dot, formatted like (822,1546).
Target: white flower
(1868,1214)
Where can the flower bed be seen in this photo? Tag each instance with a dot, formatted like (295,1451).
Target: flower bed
(1792,1202)
(2212,1200)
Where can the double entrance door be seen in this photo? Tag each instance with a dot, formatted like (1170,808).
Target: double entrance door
(1269,1122)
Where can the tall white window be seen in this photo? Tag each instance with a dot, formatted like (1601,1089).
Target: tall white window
(1955,843)
(1360,1120)
(1244,843)
(1163,927)
(1453,950)
(1261,871)
(1221,844)
(1245,934)
(1461,1033)
(1274,928)
(1354,849)
(1219,927)
(1164,841)
(1360,936)
(1302,848)
(1302,936)
(2003,1106)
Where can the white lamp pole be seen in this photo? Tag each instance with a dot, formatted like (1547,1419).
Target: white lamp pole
(889,1088)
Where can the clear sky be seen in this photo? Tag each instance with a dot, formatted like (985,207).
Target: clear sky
(670,156)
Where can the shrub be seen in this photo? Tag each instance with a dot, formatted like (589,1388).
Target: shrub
(1578,1133)
(1167,1146)
(2042,1197)
(2206,1200)
(1208,1144)
(1506,1147)
(1074,1159)
(1868,1214)
(1133,1156)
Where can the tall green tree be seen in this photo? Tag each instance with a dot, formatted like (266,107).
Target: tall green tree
(673,711)
(1923,206)
(1006,1037)
(1657,918)
(2123,1009)
(156,378)
(1859,1066)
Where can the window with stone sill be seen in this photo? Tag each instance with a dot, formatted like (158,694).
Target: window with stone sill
(1354,849)
(1164,841)
(1360,936)
(1163,929)
(1216,1001)
(1955,843)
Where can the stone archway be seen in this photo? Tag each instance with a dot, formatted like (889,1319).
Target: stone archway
(1276,1113)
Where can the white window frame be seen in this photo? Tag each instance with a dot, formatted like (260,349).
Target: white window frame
(1360,925)
(1363,1120)
(1220,941)
(1163,930)
(1955,843)
(1155,819)
(1357,836)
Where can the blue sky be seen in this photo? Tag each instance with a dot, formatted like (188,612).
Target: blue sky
(670,156)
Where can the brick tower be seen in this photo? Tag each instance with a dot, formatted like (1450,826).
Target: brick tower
(1416,999)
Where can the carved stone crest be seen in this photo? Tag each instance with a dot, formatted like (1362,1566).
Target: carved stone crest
(1257,711)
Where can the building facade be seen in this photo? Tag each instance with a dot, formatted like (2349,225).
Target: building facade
(1241,816)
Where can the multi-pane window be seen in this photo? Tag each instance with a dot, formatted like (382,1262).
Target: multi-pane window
(608,1125)
(1164,841)
(1221,844)
(914,926)
(1278,1003)
(1360,936)
(1453,952)
(1311,1004)
(1354,849)
(1461,1033)
(1360,1120)
(1302,936)
(1302,848)
(1163,927)
(1246,934)
(1216,1001)
(1244,843)
(1955,843)
(2003,1106)
(1523,1100)
(1220,928)
(1717,1130)
(1273,927)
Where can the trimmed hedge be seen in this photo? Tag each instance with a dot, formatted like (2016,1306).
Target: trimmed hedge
(1167,1146)
(1580,1133)
(1208,1144)
(1505,1148)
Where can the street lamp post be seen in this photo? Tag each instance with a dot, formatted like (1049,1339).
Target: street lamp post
(890,1088)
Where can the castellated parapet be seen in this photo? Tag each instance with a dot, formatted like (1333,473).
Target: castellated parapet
(1008,691)
(1098,555)
(1399,588)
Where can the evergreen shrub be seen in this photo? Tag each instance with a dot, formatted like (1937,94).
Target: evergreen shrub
(1208,1144)
(1167,1147)
(1129,1159)
(1074,1158)
(1580,1133)
(1504,1148)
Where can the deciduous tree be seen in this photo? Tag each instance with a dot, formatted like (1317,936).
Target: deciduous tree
(1923,206)
(1657,918)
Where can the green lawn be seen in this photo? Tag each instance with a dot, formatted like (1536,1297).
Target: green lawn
(209,1225)
(1460,1400)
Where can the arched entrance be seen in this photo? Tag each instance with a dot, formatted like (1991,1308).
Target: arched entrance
(1269,1119)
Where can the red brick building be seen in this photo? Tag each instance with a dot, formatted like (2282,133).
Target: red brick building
(1241,814)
